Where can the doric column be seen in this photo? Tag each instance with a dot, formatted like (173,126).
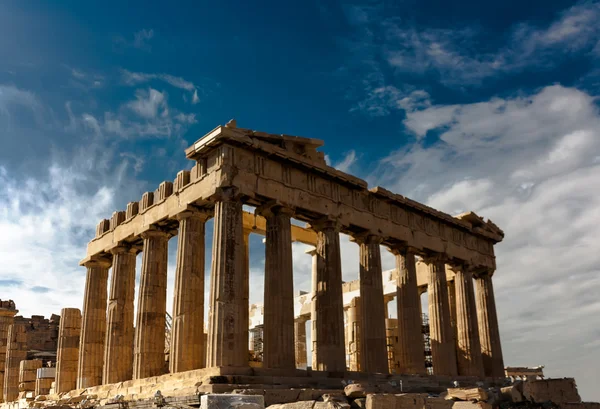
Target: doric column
(187,339)
(300,342)
(468,347)
(67,354)
(353,337)
(452,305)
(489,334)
(443,350)
(328,301)
(93,325)
(149,350)
(278,332)
(7,313)
(245,318)
(226,343)
(313,310)
(410,350)
(373,312)
(16,351)
(386,302)
(118,351)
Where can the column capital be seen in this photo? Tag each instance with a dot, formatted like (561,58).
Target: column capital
(274,207)
(325,222)
(402,249)
(154,231)
(226,194)
(302,319)
(194,213)
(98,262)
(366,237)
(123,248)
(483,272)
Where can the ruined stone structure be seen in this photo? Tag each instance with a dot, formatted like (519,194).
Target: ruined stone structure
(283,178)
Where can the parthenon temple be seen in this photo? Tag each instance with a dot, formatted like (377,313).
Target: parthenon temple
(295,196)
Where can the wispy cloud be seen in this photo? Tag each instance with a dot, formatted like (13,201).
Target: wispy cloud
(531,164)
(136,78)
(455,57)
(141,40)
(142,37)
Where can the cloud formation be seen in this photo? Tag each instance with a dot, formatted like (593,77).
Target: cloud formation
(532,165)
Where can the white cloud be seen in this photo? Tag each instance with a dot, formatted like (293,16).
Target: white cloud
(12,97)
(529,163)
(142,37)
(149,104)
(136,78)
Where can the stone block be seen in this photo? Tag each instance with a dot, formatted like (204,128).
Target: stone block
(558,391)
(382,401)
(469,394)
(582,405)
(147,201)
(132,209)
(471,405)
(183,179)
(102,227)
(511,394)
(116,219)
(227,401)
(165,189)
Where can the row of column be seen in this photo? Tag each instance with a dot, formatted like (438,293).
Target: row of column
(464,332)
(106,355)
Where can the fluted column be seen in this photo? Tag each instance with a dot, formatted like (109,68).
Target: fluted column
(187,339)
(7,313)
(354,335)
(410,350)
(16,351)
(67,354)
(245,329)
(328,301)
(313,310)
(93,325)
(443,350)
(300,342)
(468,347)
(118,351)
(278,331)
(149,350)
(226,343)
(373,308)
(489,334)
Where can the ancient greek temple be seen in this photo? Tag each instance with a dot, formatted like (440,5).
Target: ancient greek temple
(283,178)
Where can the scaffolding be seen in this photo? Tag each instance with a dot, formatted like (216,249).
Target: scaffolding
(427,342)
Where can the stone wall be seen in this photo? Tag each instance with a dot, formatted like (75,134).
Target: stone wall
(559,391)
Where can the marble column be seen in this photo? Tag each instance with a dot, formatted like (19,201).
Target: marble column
(149,349)
(468,347)
(300,342)
(452,305)
(245,317)
(313,310)
(16,351)
(118,351)
(373,311)
(489,334)
(386,302)
(93,325)
(226,343)
(354,336)
(7,313)
(187,339)
(410,349)
(328,300)
(443,350)
(67,354)
(278,330)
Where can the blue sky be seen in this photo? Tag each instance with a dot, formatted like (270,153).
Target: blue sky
(465,106)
